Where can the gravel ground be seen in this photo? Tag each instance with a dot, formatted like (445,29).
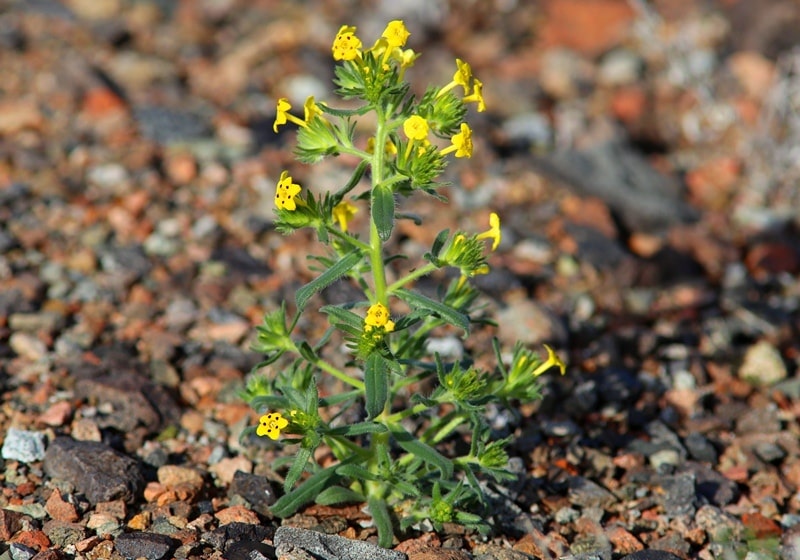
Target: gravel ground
(642,157)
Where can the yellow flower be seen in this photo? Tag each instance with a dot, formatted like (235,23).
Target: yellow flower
(285,192)
(311,109)
(476,96)
(346,46)
(395,34)
(462,78)
(462,143)
(552,360)
(389,148)
(378,316)
(283,116)
(271,424)
(416,128)
(343,213)
(493,232)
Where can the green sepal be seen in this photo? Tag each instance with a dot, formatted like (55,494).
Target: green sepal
(444,312)
(383,210)
(376,385)
(331,275)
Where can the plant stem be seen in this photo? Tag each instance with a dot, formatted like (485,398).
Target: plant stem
(340,375)
(376,245)
(413,275)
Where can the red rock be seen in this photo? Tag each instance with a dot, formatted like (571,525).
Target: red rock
(101,102)
(761,527)
(237,514)
(623,540)
(10,523)
(629,104)
(19,114)
(181,168)
(59,509)
(773,258)
(57,414)
(590,211)
(588,26)
(52,554)
(35,539)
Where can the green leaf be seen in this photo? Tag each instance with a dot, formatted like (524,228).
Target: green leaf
(333,400)
(356,472)
(343,316)
(412,445)
(297,468)
(383,210)
(376,384)
(305,493)
(327,278)
(307,352)
(338,495)
(380,515)
(444,312)
(351,184)
(359,429)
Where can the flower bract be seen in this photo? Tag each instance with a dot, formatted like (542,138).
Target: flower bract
(285,192)
(271,424)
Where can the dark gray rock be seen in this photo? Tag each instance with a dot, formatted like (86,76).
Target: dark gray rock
(94,469)
(168,126)
(134,400)
(651,554)
(700,448)
(331,547)
(679,494)
(642,198)
(618,385)
(711,485)
(144,545)
(223,538)
(586,493)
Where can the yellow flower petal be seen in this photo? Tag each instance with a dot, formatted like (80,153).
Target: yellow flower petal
(286,191)
(395,34)
(416,128)
(493,232)
(346,46)
(271,424)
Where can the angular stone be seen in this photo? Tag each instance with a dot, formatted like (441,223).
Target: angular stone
(94,469)
(144,545)
(23,446)
(331,547)
(255,489)
(586,493)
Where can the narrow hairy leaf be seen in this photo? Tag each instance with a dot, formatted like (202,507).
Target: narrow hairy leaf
(383,210)
(376,384)
(428,454)
(305,493)
(297,468)
(343,316)
(339,495)
(444,312)
(380,515)
(359,429)
(327,278)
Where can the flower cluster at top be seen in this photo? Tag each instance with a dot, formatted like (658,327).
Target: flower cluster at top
(375,75)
